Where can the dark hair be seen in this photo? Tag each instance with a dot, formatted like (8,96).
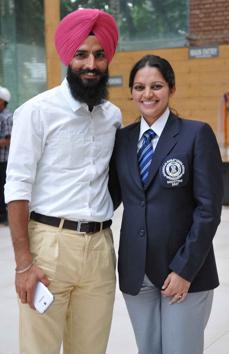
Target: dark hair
(161,64)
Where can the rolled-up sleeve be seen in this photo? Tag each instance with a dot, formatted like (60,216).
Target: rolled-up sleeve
(25,152)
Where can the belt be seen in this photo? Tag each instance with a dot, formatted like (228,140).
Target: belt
(79,226)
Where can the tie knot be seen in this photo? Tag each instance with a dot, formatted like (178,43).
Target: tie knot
(149,135)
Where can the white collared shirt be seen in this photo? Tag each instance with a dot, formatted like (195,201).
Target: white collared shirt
(59,156)
(157,127)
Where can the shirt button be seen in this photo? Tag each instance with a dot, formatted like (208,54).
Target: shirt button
(141,232)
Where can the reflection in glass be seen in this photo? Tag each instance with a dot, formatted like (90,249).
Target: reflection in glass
(22,55)
(143,24)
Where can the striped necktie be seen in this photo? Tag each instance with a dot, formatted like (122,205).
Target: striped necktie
(145,155)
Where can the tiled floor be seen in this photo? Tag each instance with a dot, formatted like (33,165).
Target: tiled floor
(121,338)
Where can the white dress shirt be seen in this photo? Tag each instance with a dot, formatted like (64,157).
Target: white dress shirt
(59,156)
(157,127)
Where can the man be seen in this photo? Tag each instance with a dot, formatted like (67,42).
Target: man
(5,132)
(58,170)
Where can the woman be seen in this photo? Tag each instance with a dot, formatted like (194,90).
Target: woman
(167,172)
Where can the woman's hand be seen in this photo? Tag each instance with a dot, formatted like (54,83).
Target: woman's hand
(175,287)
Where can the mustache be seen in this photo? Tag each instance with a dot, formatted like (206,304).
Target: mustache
(88,71)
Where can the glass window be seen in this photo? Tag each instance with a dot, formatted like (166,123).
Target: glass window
(22,54)
(143,24)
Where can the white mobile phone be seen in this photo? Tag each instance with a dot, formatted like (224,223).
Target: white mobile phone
(43,298)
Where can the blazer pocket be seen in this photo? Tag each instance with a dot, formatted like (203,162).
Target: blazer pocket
(174,171)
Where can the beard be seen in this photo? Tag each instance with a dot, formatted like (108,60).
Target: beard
(89,91)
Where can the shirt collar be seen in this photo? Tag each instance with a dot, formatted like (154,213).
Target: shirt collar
(157,126)
(75,104)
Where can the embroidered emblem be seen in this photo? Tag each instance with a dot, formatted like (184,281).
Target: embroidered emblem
(173,170)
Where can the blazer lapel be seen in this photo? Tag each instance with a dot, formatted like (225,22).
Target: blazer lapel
(167,141)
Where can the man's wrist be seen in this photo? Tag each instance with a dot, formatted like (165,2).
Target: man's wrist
(23,260)
(23,269)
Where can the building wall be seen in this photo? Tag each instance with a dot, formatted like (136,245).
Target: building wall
(52,18)
(208,22)
(200,83)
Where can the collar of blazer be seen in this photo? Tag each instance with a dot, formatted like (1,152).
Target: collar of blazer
(167,141)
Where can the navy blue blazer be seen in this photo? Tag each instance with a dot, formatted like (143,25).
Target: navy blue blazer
(169,224)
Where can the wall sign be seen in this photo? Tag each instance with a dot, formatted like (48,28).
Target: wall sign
(203,52)
(115,81)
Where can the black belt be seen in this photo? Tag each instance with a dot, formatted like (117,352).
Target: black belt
(80,226)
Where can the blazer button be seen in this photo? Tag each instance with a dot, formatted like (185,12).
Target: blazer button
(142,203)
(142,233)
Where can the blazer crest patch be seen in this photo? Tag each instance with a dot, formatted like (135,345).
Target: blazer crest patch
(173,170)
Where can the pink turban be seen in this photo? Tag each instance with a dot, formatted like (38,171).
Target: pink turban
(75,28)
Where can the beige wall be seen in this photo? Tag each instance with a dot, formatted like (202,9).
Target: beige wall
(200,83)
(52,18)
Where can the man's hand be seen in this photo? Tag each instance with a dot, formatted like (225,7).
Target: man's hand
(25,280)
(26,283)
(175,287)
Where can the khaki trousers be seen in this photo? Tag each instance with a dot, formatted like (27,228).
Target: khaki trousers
(81,269)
